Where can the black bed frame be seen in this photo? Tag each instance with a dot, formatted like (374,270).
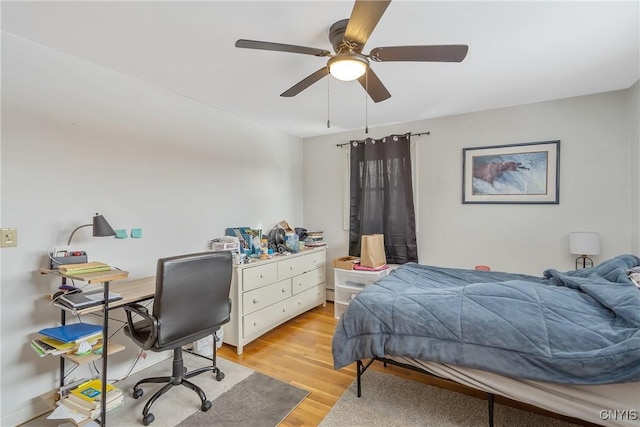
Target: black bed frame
(361,367)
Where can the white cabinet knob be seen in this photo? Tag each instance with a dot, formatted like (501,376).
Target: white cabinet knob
(255,300)
(284,290)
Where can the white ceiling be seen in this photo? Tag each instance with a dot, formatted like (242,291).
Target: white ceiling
(519,52)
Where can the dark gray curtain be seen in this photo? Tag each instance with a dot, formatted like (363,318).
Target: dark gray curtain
(382,197)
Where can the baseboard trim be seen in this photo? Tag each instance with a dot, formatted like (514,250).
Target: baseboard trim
(38,406)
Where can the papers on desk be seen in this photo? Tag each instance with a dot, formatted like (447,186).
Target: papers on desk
(80,300)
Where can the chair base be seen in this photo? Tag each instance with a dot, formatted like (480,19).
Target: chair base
(179,376)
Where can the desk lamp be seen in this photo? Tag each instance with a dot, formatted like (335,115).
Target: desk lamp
(584,243)
(101,228)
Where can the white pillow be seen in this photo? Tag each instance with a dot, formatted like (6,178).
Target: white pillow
(634,275)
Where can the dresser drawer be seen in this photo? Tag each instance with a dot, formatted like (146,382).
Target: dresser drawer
(309,298)
(258,276)
(307,280)
(291,267)
(266,295)
(314,260)
(266,318)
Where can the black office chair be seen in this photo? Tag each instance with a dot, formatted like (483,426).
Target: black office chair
(191,302)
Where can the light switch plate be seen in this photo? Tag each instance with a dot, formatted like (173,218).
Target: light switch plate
(9,237)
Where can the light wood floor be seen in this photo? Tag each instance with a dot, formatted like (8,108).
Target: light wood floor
(299,352)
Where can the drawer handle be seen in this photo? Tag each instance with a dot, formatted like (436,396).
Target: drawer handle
(284,309)
(261,275)
(290,267)
(255,300)
(300,284)
(255,323)
(284,290)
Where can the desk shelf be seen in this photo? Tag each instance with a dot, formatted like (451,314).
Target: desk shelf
(131,292)
(113,348)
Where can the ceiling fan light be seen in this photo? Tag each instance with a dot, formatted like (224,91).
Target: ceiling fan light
(348,66)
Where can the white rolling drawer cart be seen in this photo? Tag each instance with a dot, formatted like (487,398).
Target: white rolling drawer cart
(348,283)
(267,293)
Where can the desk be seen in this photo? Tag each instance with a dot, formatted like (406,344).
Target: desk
(131,291)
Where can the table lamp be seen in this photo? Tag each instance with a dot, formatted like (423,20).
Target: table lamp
(584,243)
(101,228)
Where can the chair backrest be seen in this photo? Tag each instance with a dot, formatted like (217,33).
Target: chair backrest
(192,296)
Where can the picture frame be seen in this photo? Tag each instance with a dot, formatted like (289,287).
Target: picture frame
(526,173)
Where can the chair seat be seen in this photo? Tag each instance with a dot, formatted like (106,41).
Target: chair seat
(144,330)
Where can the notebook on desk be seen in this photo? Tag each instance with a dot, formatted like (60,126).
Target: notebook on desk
(92,298)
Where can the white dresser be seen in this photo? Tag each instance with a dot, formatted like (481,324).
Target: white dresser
(267,293)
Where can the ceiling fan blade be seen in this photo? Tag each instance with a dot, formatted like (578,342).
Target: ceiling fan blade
(364,18)
(305,83)
(374,87)
(435,53)
(280,47)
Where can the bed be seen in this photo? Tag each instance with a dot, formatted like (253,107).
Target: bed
(568,342)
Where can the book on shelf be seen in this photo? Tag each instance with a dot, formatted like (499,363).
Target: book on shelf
(63,391)
(85,267)
(91,413)
(60,347)
(89,393)
(72,333)
(92,298)
(95,404)
(39,349)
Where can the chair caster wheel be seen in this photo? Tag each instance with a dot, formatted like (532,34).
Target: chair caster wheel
(137,392)
(148,419)
(219,376)
(206,405)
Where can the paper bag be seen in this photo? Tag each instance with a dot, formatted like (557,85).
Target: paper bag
(372,251)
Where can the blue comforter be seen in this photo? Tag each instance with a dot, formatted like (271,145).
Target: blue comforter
(578,327)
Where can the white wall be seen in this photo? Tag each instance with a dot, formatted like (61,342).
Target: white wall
(79,139)
(596,186)
(634,137)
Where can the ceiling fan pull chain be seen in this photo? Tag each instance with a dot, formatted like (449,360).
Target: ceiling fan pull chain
(366,103)
(328,104)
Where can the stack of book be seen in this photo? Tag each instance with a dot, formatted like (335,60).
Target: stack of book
(86,399)
(66,339)
(82,268)
(315,239)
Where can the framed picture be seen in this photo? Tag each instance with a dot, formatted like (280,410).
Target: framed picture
(516,173)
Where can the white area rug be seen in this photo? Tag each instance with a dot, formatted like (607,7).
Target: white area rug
(389,401)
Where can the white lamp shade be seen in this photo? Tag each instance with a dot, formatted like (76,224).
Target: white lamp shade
(347,66)
(584,243)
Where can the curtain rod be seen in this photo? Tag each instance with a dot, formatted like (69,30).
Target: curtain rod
(410,134)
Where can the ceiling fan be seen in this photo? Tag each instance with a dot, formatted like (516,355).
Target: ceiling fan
(348,38)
